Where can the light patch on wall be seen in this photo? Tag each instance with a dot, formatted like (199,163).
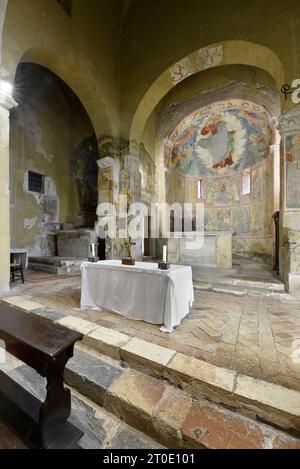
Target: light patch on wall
(246,183)
(29,223)
(182,70)
(206,57)
(29,119)
(50,187)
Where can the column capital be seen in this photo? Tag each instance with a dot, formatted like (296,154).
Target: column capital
(108,162)
(289,122)
(7,101)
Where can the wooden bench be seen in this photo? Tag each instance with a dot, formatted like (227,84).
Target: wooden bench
(46,347)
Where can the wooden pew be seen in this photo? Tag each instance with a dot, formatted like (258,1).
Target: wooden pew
(46,347)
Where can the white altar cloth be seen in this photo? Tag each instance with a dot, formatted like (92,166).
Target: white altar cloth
(141,292)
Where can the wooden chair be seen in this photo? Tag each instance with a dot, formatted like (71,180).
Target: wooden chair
(16,271)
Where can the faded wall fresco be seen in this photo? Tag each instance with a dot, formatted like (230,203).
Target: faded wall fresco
(119,148)
(219,149)
(292,154)
(84,169)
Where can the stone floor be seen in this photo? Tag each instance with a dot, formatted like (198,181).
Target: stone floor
(254,335)
(244,271)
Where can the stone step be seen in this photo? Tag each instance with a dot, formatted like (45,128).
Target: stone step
(49,260)
(51,269)
(240,288)
(167,414)
(55,260)
(56,266)
(102,429)
(241,395)
(255,398)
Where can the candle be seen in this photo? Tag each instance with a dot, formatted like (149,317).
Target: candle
(93,250)
(165,254)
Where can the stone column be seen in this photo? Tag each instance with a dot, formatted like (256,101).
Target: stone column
(3,5)
(108,190)
(6,103)
(289,128)
(133,187)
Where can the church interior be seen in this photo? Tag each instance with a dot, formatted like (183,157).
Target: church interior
(173,127)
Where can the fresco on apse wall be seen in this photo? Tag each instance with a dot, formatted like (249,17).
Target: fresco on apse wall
(262,180)
(217,220)
(148,171)
(83,166)
(223,191)
(225,206)
(191,191)
(292,152)
(219,139)
(175,188)
(241,220)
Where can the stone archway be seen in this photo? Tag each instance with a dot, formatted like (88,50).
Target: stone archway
(6,103)
(60,148)
(3,6)
(69,61)
(214,55)
(81,81)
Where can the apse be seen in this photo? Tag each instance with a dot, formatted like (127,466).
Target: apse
(222,155)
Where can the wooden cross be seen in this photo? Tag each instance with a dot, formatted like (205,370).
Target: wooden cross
(129,243)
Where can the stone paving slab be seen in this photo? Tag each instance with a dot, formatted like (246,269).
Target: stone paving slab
(106,341)
(22,303)
(127,438)
(182,369)
(91,376)
(209,426)
(78,325)
(10,363)
(140,354)
(270,401)
(49,313)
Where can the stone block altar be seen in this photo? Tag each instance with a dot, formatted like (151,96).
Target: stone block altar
(212,249)
(74,243)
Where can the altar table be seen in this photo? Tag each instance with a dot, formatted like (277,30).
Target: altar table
(140,292)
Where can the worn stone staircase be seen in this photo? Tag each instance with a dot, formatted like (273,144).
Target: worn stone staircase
(102,429)
(176,400)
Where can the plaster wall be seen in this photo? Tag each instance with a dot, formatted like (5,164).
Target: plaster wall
(171,32)
(80,50)
(45,130)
